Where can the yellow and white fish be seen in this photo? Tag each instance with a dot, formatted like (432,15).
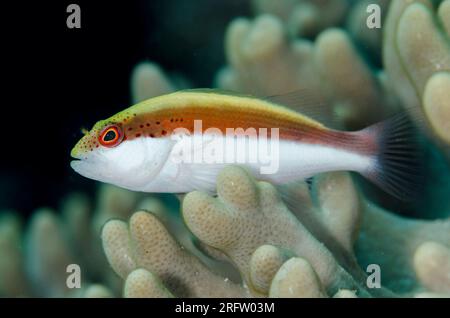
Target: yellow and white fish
(179,142)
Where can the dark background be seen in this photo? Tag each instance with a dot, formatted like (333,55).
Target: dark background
(57,80)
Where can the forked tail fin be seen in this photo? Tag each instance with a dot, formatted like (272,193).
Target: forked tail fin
(397,165)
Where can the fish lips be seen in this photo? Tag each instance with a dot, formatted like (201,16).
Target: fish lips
(93,166)
(85,167)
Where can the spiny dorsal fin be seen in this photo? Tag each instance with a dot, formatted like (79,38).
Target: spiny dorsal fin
(305,101)
(309,103)
(217,91)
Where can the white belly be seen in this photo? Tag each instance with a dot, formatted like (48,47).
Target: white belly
(195,162)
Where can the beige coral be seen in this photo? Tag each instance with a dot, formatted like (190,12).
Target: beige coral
(432,266)
(319,240)
(356,23)
(97,291)
(226,223)
(145,243)
(148,80)
(272,248)
(296,279)
(140,283)
(13,282)
(264,62)
(413,254)
(34,260)
(416,57)
(47,255)
(304,18)
(264,264)
(307,253)
(436,104)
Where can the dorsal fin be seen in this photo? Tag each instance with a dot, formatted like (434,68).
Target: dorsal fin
(305,101)
(309,103)
(217,91)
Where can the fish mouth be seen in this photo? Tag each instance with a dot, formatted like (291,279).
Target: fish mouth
(78,164)
(86,168)
(77,159)
(75,154)
(83,163)
(89,165)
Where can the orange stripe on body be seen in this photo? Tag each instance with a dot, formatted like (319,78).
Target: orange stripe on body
(160,116)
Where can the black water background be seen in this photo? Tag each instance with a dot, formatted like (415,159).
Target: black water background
(57,80)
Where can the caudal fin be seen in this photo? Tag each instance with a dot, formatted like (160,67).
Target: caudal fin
(397,164)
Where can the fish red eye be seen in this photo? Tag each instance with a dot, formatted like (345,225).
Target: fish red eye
(111,136)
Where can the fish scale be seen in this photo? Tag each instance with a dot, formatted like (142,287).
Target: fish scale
(141,150)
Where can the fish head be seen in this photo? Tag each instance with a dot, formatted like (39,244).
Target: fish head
(108,154)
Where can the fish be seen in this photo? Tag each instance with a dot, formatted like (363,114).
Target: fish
(179,142)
